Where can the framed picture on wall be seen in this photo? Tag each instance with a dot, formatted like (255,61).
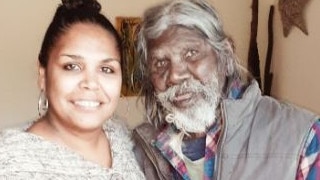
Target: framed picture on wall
(127,28)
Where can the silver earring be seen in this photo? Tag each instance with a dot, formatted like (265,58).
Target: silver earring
(42,103)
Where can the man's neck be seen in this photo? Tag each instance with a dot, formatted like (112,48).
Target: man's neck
(191,136)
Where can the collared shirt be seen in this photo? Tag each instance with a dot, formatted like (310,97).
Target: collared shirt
(309,166)
(169,136)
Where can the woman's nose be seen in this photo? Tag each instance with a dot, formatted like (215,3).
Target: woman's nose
(89,81)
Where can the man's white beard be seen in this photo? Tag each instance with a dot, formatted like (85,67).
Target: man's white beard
(199,116)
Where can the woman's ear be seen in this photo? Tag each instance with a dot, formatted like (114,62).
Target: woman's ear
(41,77)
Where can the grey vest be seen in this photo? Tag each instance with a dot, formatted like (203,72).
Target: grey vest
(261,139)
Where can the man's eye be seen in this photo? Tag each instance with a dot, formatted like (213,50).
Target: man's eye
(106,70)
(71,67)
(191,53)
(161,63)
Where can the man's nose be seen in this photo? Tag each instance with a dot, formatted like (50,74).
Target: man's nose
(178,73)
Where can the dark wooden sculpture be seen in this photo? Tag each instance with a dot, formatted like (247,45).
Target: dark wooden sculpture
(267,72)
(253,56)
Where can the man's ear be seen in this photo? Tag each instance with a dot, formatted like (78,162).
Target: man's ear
(41,77)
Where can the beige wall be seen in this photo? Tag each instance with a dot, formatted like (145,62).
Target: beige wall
(23,23)
(296,61)
(22,27)
(236,16)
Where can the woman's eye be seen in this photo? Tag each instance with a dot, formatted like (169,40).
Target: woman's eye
(71,67)
(106,70)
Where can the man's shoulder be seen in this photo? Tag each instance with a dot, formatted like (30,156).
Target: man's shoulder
(150,159)
(286,109)
(146,131)
(144,126)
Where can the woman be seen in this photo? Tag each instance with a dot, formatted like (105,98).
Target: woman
(76,136)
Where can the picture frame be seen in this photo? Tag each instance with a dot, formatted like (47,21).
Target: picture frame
(127,28)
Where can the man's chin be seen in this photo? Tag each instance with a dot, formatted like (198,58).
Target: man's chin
(183,109)
(190,128)
(190,121)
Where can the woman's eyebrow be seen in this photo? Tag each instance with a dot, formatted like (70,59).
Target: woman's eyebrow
(78,57)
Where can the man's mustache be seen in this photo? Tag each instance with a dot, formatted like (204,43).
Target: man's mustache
(191,86)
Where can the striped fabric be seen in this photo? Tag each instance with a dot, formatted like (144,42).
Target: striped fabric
(163,144)
(309,167)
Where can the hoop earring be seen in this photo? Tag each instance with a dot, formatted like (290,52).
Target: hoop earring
(42,103)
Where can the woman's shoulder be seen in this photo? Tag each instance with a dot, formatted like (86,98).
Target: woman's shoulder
(12,136)
(16,146)
(122,148)
(119,134)
(117,126)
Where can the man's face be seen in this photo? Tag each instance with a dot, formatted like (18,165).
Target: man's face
(183,72)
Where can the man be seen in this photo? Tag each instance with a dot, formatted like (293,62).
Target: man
(209,119)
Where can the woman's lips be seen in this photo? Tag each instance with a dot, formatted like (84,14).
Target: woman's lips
(87,103)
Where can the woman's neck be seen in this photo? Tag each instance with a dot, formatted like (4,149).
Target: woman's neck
(92,145)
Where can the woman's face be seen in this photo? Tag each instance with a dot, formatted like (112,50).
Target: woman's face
(83,78)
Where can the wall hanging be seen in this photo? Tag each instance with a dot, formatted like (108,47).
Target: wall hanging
(127,27)
(291,12)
